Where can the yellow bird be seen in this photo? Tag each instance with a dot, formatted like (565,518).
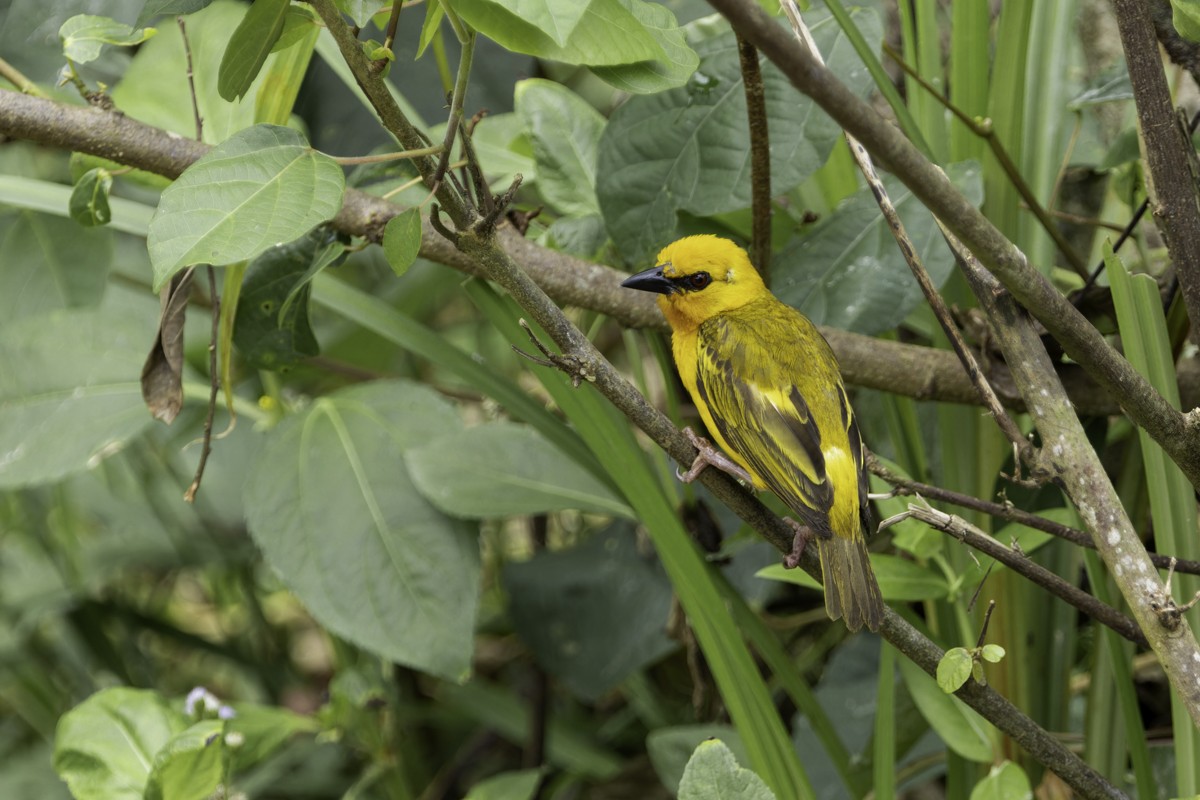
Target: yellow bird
(768,387)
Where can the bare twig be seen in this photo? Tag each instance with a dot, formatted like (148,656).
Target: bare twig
(1170,156)
(214,388)
(760,160)
(191,79)
(1010,513)
(984,130)
(1017,561)
(1022,449)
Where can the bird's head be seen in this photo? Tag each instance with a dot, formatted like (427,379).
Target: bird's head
(699,277)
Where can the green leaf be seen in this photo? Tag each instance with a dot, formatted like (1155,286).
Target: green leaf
(961,728)
(105,746)
(264,729)
(992,653)
(50,263)
(248,48)
(89,198)
(594,613)
(434,11)
(333,509)
(260,187)
(1113,88)
(402,240)
(520,785)
(191,764)
(84,36)
(846,272)
(69,392)
(1185,16)
(713,774)
(688,149)
(502,470)
(1006,781)
(648,77)
(606,33)
(565,132)
(155,8)
(670,749)
(954,669)
(155,87)
(899,579)
(272,330)
(358,10)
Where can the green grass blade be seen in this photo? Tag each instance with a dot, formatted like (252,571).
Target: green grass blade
(1120,655)
(883,83)
(784,670)
(741,686)
(885,724)
(1172,499)
(377,316)
(1006,103)
(968,75)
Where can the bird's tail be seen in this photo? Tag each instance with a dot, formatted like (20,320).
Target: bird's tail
(850,587)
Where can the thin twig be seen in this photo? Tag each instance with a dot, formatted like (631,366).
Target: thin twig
(1017,561)
(760,160)
(905,487)
(984,130)
(18,79)
(393,23)
(987,618)
(456,103)
(1022,449)
(380,158)
(191,79)
(214,384)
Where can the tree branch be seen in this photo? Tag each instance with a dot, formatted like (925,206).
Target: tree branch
(118,138)
(1168,149)
(1080,340)
(923,373)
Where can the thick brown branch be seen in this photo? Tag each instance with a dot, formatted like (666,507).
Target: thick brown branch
(923,373)
(1079,338)
(1168,149)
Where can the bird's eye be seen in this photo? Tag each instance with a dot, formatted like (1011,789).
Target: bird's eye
(698,281)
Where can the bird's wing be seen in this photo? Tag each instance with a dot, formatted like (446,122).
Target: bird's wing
(762,415)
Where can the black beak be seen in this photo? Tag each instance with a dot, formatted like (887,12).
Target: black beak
(650,280)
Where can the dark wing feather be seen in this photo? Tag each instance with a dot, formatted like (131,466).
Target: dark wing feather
(766,422)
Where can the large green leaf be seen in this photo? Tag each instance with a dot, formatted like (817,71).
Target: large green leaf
(84,36)
(647,77)
(592,614)
(104,748)
(191,765)
(502,470)
(713,773)
(847,272)
(565,131)
(689,150)
(606,33)
(333,509)
(960,727)
(155,90)
(249,47)
(260,187)
(50,263)
(69,392)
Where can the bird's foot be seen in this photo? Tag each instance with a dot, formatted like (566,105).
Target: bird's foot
(802,534)
(709,456)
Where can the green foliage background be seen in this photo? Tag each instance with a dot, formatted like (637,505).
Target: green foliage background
(419,566)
